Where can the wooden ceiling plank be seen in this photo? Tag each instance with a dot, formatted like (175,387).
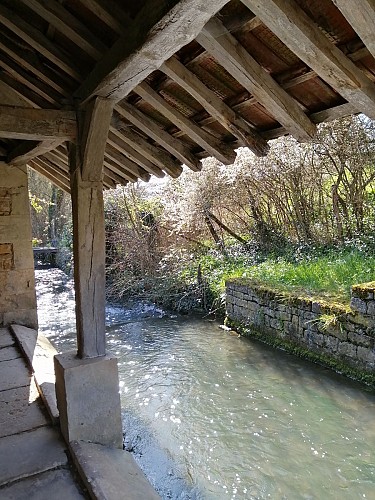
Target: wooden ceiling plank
(38,41)
(232,56)
(158,134)
(96,127)
(298,32)
(28,150)
(10,97)
(361,15)
(221,151)
(154,36)
(154,154)
(105,12)
(23,58)
(215,106)
(115,139)
(37,124)
(34,84)
(51,176)
(64,22)
(29,97)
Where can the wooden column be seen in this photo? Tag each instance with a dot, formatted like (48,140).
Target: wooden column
(86,179)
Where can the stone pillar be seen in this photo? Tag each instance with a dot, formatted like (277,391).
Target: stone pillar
(17,283)
(88,399)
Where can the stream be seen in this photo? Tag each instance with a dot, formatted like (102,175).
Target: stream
(210,415)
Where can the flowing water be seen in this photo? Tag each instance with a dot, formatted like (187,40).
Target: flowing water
(209,415)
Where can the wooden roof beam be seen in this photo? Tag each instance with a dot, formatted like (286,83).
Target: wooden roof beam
(232,56)
(61,19)
(128,176)
(52,176)
(118,179)
(125,174)
(38,41)
(28,150)
(94,137)
(221,151)
(154,36)
(115,139)
(37,124)
(126,164)
(154,154)
(361,15)
(298,32)
(215,106)
(158,134)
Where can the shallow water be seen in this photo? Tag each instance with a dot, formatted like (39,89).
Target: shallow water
(209,415)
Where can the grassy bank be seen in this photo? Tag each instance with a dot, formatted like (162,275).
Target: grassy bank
(197,281)
(320,273)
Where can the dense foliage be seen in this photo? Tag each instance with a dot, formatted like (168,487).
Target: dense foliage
(301,218)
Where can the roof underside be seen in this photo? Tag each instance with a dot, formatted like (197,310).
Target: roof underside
(246,77)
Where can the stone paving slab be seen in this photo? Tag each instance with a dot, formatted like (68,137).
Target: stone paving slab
(39,354)
(51,485)
(8,353)
(6,338)
(111,473)
(20,410)
(30,453)
(14,373)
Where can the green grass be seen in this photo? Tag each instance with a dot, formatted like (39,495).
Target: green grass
(328,277)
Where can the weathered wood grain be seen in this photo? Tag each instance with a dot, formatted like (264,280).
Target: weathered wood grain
(294,28)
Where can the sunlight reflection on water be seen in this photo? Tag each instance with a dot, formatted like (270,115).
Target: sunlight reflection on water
(209,415)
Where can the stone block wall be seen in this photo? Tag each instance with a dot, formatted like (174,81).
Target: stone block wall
(337,337)
(17,287)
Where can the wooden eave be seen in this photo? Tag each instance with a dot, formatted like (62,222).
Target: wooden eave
(187,81)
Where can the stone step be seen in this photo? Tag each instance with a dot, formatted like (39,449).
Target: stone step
(30,453)
(52,485)
(111,473)
(20,410)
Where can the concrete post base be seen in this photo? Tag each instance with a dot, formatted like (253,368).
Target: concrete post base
(87,392)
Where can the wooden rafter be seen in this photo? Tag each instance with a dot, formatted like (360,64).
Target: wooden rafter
(153,130)
(125,163)
(38,41)
(116,140)
(55,14)
(223,152)
(230,54)
(153,153)
(155,35)
(28,150)
(51,175)
(296,30)
(361,15)
(215,106)
(109,163)
(37,124)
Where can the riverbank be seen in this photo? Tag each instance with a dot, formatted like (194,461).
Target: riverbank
(197,280)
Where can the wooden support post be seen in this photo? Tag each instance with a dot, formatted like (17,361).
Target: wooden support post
(86,174)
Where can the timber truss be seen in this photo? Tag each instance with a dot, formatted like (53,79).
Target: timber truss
(122,90)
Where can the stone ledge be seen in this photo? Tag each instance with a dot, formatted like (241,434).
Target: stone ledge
(110,473)
(39,353)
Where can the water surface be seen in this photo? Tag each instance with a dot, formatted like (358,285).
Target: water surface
(210,415)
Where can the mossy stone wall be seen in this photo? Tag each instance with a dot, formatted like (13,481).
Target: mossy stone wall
(338,337)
